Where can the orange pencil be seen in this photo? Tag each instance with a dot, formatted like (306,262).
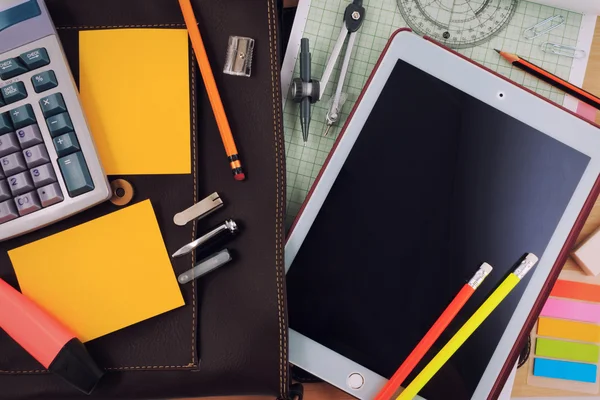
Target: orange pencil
(211,88)
(391,388)
(551,79)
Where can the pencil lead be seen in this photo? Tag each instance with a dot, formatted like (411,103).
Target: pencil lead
(497,51)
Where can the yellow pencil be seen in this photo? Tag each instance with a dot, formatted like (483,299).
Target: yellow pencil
(468,328)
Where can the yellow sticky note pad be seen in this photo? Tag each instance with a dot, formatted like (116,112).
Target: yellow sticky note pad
(135,90)
(101,276)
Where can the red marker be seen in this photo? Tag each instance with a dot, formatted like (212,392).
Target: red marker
(47,340)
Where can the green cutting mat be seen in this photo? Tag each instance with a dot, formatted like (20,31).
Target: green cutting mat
(325,19)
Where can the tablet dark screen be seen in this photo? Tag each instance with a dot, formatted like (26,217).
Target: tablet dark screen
(437,183)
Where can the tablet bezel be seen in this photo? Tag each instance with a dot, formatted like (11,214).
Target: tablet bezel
(505,96)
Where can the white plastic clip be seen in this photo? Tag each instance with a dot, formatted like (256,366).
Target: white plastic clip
(562,50)
(544,27)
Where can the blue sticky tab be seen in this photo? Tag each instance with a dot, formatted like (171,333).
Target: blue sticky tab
(568,370)
(22,11)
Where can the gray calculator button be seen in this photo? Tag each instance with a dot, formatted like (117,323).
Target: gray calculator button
(4,191)
(8,211)
(50,194)
(20,183)
(13,164)
(29,136)
(28,203)
(43,175)
(36,155)
(8,144)
(76,174)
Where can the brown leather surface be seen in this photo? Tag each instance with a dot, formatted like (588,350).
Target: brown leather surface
(231,337)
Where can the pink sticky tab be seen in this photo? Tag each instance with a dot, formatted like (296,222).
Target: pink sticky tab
(586,111)
(571,310)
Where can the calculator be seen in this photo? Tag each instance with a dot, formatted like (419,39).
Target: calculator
(49,166)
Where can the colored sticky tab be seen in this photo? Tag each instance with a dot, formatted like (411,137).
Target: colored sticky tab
(571,351)
(576,291)
(573,310)
(571,330)
(101,276)
(135,89)
(571,371)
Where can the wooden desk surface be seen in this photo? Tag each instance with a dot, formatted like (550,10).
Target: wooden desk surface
(324,391)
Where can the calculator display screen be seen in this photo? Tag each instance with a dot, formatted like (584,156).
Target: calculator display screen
(437,183)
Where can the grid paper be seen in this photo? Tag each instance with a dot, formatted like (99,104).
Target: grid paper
(325,20)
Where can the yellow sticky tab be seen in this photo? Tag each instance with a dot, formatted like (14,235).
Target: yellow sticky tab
(101,276)
(135,90)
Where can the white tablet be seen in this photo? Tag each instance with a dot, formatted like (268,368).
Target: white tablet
(442,165)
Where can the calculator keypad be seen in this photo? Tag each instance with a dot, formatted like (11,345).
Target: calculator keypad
(28,180)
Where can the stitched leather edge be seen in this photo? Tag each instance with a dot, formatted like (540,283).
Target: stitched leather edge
(193,364)
(195,156)
(280,199)
(121,26)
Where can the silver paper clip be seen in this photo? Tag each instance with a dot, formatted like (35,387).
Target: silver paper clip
(199,210)
(562,50)
(544,27)
(204,267)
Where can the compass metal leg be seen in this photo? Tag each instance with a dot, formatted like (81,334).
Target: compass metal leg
(333,115)
(333,59)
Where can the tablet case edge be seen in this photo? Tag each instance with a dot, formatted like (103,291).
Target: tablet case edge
(560,261)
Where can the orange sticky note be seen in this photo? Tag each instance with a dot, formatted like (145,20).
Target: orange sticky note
(570,330)
(103,275)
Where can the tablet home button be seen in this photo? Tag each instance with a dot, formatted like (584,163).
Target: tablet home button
(355,381)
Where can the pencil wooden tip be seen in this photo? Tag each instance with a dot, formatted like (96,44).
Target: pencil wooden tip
(497,51)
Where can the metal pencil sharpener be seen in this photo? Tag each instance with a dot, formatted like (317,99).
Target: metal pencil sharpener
(240,51)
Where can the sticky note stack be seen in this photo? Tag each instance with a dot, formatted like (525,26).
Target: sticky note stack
(566,352)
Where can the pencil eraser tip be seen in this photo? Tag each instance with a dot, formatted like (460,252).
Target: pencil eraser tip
(487,268)
(532,258)
(240,177)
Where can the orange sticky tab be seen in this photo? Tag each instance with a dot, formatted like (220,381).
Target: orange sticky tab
(571,330)
(576,291)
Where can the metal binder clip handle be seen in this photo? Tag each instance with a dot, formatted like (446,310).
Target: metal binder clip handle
(543,27)
(204,267)
(199,210)
(228,226)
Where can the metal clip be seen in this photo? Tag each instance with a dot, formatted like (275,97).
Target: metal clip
(204,267)
(240,52)
(543,27)
(199,210)
(228,226)
(562,50)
